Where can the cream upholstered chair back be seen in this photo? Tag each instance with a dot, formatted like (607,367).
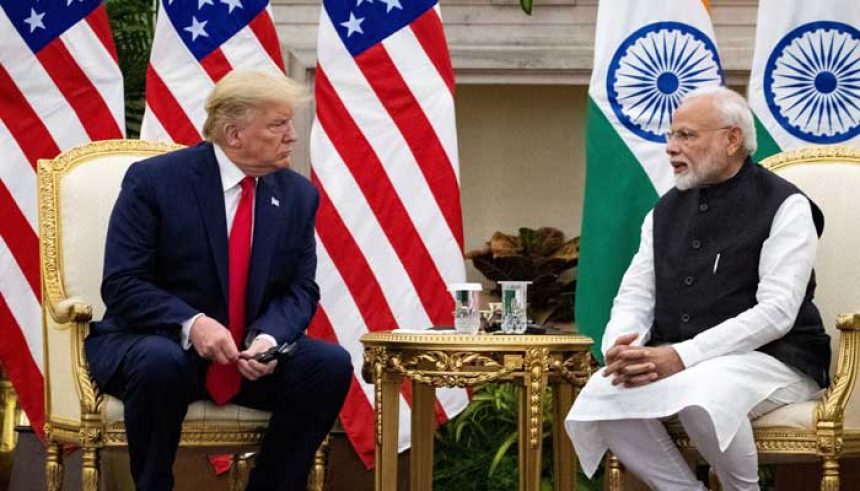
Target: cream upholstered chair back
(77,194)
(830,176)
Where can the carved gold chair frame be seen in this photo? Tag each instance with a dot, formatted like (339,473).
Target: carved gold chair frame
(828,439)
(67,318)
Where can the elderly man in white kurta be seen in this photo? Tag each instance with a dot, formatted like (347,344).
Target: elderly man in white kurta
(714,320)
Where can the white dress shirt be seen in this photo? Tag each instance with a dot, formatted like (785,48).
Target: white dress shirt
(786,261)
(231,176)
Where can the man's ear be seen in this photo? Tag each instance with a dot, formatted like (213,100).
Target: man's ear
(734,140)
(232,135)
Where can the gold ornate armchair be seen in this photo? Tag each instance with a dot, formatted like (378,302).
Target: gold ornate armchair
(828,429)
(77,191)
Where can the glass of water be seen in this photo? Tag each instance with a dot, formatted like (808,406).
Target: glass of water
(467,314)
(514,296)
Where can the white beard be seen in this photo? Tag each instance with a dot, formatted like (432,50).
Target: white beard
(707,172)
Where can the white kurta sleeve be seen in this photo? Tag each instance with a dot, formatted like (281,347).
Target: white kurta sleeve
(633,307)
(785,265)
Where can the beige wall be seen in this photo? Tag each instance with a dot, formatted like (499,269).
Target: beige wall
(521,158)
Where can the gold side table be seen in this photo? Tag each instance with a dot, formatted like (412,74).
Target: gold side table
(453,360)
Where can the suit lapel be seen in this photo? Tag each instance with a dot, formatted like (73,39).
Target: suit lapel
(268,223)
(210,197)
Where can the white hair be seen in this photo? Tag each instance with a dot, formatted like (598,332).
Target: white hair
(733,110)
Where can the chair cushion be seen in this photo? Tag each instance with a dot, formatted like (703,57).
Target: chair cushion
(797,415)
(197,411)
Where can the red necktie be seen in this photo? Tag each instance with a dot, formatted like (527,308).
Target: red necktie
(223,381)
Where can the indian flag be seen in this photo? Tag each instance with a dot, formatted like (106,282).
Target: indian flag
(647,56)
(805,81)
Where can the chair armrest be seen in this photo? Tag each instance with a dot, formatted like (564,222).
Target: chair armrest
(69,310)
(831,409)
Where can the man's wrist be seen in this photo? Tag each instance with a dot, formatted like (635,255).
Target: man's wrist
(268,338)
(185,334)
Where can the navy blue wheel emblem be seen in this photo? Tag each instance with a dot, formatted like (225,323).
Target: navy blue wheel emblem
(653,69)
(812,82)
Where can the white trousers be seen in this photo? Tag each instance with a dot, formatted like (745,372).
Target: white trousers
(646,449)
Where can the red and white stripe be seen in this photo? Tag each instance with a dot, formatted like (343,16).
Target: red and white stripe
(68,93)
(177,84)
(389,228)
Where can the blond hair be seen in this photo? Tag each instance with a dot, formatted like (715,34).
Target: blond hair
(242,92)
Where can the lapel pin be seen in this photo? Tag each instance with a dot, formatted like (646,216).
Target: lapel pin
(275,202)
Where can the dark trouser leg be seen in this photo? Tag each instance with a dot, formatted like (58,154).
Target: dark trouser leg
(155,380)
(305,394)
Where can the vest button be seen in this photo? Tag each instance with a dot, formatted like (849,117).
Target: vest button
(703,207)
(695,244)
(688,280)
(685,318)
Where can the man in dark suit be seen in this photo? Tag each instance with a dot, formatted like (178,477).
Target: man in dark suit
(189,305)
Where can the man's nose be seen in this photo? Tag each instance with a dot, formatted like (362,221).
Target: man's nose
(671,146)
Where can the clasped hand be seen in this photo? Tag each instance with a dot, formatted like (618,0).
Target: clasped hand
(634,366)
(213,341)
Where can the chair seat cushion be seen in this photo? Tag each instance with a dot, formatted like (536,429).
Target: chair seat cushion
(797,415)
(197,411)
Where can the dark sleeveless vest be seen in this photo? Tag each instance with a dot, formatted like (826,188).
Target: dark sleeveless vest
(730,220)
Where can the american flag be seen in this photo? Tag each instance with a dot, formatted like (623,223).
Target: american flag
(196,43)
(384,156)
(60,86)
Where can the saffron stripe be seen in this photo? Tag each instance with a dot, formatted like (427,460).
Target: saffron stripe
(367,170)
(430,34)
(406,113)
(99,23)
(21,369)
(79,91)
(264,28)
(216,65)
(168,111)
(20,238)
(26,127)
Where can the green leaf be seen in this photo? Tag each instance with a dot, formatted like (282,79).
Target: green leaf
(527,6)
(500,453)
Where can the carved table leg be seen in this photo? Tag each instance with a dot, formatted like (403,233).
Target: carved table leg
(54,467)
(316,481)
(90,469)
(423,430)
(531,418)
(387,386)
(614,480)
(563,457)
(830,475)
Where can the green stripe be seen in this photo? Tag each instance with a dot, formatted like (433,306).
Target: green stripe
(618,195)
(766,145)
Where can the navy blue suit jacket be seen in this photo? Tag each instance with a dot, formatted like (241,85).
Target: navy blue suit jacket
(166,255)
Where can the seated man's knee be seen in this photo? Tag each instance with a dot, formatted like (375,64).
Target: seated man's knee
(333,366)
(159,362)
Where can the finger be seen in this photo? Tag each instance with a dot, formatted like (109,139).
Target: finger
(638,369)
(618,379)
(219,357)
(246,371)
(257,367)
(270,367)
(614,368)
(626,339)
(640,380)
(633,355)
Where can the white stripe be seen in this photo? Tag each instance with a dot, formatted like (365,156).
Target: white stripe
(99,66)
(348,199)
(244,50)
(18,176)
(23,304)
(349,326)
(393,152)
(151,129)
(34,82)
(428,87)
(612,29)
(180,71)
